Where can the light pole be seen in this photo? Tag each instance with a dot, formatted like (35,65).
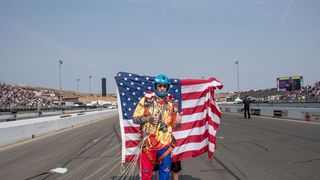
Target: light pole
(60,63)
(237,63)
(90,84)
(78,84)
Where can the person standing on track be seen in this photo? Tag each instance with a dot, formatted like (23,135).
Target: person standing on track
(156,113)
(246,107)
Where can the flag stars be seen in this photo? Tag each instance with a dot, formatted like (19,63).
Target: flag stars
(133,88)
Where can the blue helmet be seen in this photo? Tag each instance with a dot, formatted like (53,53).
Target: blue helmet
(161,79)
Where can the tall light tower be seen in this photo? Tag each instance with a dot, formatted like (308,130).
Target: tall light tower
(78,80)
(237,63)
(90,84)
(60,63)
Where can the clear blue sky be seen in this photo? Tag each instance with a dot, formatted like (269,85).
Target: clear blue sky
(181,38)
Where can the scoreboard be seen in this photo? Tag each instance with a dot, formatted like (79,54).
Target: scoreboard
(291,83)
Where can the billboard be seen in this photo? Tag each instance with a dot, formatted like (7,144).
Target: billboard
(291,83)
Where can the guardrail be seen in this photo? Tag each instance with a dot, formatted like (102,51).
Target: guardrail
(16,131)
(21,115)
(297,113)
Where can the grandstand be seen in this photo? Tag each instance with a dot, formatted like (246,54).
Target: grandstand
(21,97)
(307,94)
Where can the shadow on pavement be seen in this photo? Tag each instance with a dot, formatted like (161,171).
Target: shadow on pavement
(127,177)
(181,177)
(187,177)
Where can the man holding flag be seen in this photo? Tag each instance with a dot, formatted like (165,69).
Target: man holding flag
(194,98)
(156,113)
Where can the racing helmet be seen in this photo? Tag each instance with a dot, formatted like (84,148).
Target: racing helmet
(161,79)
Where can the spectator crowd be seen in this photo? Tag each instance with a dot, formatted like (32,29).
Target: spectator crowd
(14,96)
(309,93)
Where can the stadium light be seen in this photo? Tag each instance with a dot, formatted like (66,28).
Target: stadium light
(237,63)
(60,63)
(78,80)
(90,84)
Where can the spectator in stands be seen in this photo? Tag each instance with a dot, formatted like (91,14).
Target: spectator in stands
(246,107)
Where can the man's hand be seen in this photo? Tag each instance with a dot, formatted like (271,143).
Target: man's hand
(154,120)
(179,118)
(151,119)
(177,124)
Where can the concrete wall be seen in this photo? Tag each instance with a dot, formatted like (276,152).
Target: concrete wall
(15,131)
(297,113)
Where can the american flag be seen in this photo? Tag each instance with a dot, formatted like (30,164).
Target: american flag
(200,114)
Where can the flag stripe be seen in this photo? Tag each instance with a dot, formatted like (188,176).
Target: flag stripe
(186,127)
(201,108)
(195,95)
(215,82)
(131,129)
(131,136)
(192,139)
(190,147)
(190,154)
(132,143)
(200,85)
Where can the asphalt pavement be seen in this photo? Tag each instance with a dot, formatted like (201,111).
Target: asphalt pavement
(256,148)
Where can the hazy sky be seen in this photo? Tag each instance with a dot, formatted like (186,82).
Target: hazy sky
(181,38)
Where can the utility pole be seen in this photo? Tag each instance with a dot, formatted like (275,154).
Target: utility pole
(78,80)
(90,84)
(60,97)
(237,63)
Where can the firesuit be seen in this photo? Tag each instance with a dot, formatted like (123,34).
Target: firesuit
(157,139)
